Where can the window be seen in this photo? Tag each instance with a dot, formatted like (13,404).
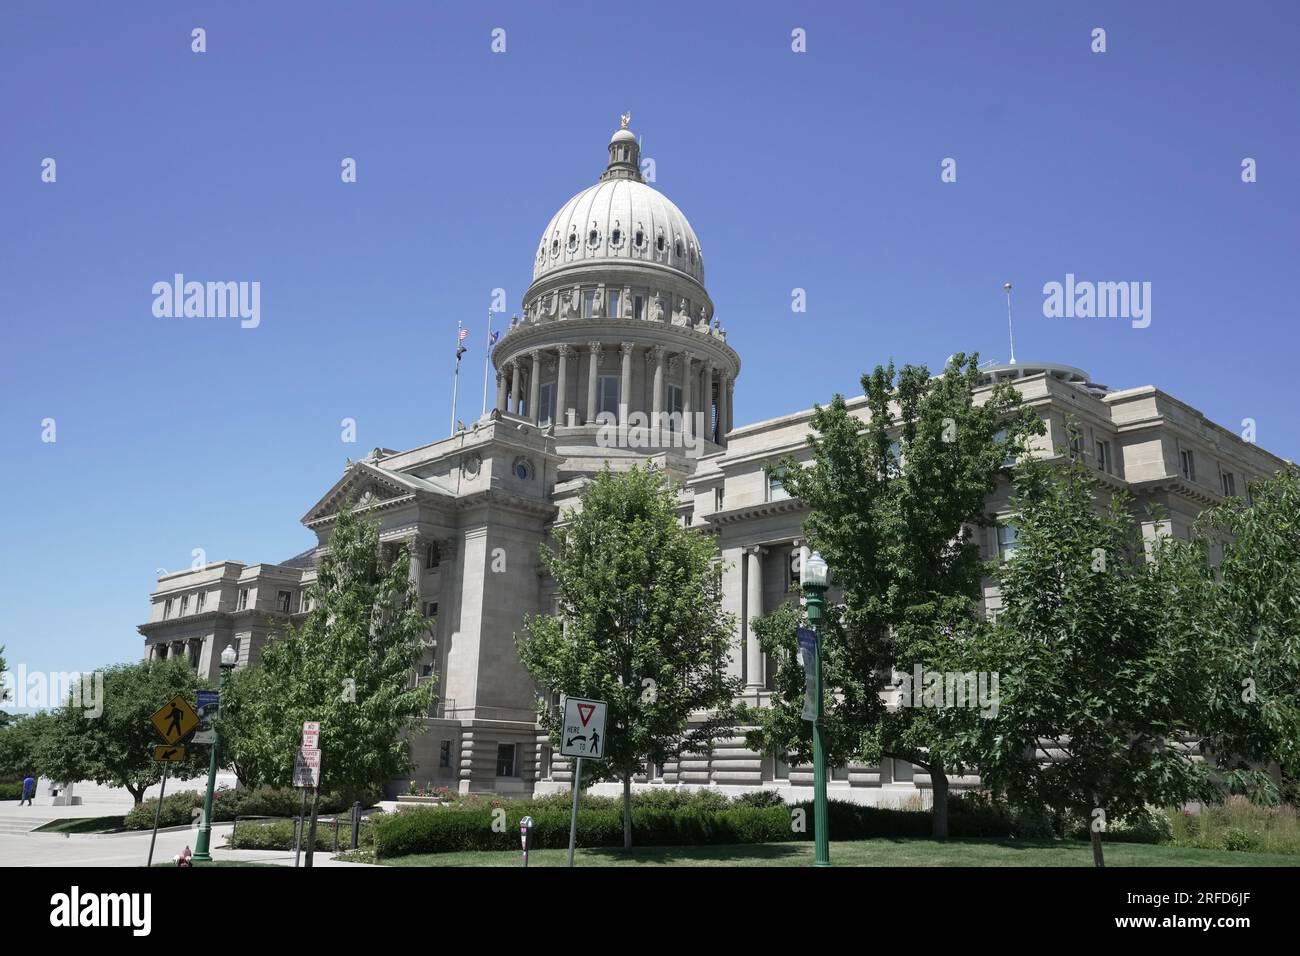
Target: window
(304,601)
(780,768)
(426,671)
(589,303)
(1000,436)
(282,599)
(573,240)
(674,405)
(1076,445)
(616,237)
(688,518)
(659,243)
(432,556)
(194,654)
(430,608)
(444,753)
(547,399)
(167,608)
(719,497)
(1008,534)
(612,299)
(1103,455)
(199,600)
(902,771)
(895,466)
(639,239)
(185,604)
(242,603)
(1229,484)
(608,394)
(638,307)
(1188,461)
(505,760)
(776,485)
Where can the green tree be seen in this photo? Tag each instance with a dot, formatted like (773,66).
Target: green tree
(1245,610)
(1096,668)
(892,503)
(350,666)
(22,743)
(237,722)
(639,625)
(115,747)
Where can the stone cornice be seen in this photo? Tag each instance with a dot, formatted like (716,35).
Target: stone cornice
(765,509)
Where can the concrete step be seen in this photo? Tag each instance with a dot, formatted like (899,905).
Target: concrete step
(24,825)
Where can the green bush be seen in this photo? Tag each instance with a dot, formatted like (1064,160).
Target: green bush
(279,835)
(1235,838)
(178,808)
(11,791)
(1238,824)
(1148,825)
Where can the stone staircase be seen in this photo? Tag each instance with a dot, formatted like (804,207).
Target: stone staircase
(19,825)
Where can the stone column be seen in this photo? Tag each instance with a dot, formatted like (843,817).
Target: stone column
(688,360)
(535,387)
(707,402)
(658,405)
(723,384)
(625,386)
(753,609)
(514,387)
(593,369)
(562,388)
(731,402)
(501,391)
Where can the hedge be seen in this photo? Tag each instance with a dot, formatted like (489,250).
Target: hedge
(11,791)
(279,835)
(178,808)
(451,829)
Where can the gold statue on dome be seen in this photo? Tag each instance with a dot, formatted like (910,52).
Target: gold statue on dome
(625,119)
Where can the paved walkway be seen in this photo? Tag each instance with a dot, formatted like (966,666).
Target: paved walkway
(21,848)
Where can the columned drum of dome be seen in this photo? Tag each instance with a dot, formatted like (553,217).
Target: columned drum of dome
(616,314)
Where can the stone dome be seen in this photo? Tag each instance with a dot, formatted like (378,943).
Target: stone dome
(620,220)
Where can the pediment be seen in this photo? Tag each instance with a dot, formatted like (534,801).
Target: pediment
(369,488)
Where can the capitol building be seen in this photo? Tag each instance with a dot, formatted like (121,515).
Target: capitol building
(616,358)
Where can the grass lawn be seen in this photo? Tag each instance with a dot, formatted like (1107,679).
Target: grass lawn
(111,824)
(878,852)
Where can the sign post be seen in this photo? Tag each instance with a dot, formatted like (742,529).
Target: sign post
(582,736)
(306,774)
(174,721)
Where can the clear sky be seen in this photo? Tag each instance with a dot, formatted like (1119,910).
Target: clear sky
(816,170)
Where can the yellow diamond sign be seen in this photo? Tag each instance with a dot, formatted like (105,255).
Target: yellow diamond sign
(175,719)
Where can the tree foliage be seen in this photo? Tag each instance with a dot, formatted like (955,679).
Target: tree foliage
(350,666)
(639,625)
(115,747)
(893,501)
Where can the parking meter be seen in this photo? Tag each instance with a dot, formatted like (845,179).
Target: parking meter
(526,836)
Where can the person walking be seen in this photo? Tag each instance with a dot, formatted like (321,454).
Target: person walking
(29,790)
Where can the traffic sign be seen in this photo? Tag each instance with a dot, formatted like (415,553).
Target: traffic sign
(311,734)
(175,719)
(306,767)
(168,753)
(583,733)
(207,701)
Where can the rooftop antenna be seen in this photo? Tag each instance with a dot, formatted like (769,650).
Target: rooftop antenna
(1006,286)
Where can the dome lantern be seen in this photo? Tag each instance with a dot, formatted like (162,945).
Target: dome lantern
(624,154)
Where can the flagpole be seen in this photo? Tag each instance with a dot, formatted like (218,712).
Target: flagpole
(455,381)
(487,358)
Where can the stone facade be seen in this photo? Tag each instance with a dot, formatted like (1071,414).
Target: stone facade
(616,361)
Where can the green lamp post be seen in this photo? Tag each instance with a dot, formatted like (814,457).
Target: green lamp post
(813,578)
(202,844)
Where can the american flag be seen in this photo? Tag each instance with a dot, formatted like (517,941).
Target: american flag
(464,334)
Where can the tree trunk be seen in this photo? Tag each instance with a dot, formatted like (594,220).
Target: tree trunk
(1097,858)
(627,812)
(136,795)
(939,815)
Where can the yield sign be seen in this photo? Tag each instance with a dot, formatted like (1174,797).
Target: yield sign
(583,732)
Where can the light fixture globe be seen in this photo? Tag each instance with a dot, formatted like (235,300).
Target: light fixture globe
(228,657)
(813,572)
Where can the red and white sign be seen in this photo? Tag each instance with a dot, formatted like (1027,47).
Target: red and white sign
(583,733)
(311,734)
(306,767)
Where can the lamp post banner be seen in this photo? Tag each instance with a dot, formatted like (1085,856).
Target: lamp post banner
(808,657)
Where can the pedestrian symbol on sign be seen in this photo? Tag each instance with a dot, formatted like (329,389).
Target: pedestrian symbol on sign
(584,726)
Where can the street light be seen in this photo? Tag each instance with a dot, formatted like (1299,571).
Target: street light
(204,841)
(813,575)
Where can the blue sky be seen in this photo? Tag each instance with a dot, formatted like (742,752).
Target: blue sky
(818,171)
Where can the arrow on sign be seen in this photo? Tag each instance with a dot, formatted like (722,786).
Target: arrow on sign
(585,711)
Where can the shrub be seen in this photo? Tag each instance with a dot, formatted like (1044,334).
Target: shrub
(177,811)
(761,798)
(279,835)
(178,808)
(1235,838)
(11,791)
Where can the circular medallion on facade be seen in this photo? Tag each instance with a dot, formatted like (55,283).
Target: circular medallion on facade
(470,466)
